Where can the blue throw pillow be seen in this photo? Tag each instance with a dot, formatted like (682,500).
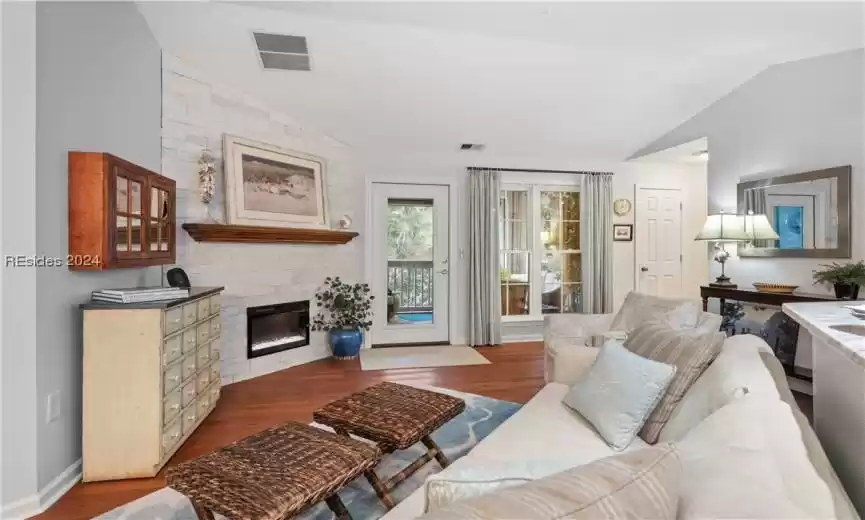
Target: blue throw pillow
(619,392)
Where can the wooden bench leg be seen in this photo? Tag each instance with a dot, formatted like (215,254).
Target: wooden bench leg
(435,451)
(202,512)
(335,504)
(380,489)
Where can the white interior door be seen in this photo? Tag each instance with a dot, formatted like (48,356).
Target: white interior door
(410,263)
(658,237)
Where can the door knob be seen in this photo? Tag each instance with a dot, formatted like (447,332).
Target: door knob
(443,271)
(644,269)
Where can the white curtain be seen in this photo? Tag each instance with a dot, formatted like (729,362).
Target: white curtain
(485,312)
(596,233)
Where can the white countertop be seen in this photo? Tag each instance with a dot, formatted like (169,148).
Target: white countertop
(818,319)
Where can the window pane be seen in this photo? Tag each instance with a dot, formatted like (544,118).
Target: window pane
(571,205)
(549,240)
(571,267)
(550,202)
(514,267)
(515,299)
(410,232)
(570,235)
(513,235)
(516,205)
(572,300)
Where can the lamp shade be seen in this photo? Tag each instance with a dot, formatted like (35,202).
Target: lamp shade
(724,227)
(757,227)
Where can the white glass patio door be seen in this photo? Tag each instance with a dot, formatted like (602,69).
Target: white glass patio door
(410,263)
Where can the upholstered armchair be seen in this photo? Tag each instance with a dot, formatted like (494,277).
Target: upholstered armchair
(568,344)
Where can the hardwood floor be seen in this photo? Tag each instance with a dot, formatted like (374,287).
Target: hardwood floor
(515,374)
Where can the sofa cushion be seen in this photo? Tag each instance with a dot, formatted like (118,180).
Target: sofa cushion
(542,429)
(690,353)
(638,484)
(443,489)
(844,509)
(747,460)
(737,370)
(618,392)
(639,308)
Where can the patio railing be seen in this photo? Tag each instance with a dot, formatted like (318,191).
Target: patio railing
(412,280)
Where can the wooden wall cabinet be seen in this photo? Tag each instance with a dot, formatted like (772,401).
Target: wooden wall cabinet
(120,215)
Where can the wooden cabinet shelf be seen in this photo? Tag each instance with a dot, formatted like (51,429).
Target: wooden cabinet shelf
(266,235)
(120,214)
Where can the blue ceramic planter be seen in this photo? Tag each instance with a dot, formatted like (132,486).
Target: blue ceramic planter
(345,344)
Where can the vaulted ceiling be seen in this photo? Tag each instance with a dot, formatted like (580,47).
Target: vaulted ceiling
(532,78)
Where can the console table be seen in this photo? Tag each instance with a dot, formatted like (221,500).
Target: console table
(755,296)
(788,330)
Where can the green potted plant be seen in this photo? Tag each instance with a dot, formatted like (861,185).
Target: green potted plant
(845,278)
(344,312)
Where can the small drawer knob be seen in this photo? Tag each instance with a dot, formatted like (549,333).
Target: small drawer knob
(174,379)
(175,407)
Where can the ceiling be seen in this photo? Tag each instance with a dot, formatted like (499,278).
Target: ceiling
(571,80)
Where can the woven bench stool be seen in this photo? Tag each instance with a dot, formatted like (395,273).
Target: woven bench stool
(395,417)
(274,474)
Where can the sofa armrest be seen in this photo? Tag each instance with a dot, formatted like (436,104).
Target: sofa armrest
(565,361)
(573,326)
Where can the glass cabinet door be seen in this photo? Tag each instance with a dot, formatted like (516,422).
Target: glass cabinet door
(160,220)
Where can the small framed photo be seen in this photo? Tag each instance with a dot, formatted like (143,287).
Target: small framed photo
(623,232)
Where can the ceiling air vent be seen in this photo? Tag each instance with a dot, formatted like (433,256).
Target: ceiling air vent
(282,51)
(472,146)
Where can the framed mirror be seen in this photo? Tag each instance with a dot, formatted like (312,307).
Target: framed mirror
(809,211)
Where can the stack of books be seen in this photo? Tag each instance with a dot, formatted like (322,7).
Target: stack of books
(139,294)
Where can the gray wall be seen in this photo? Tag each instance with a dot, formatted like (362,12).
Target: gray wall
(18,286)
(794,117)
(98,74)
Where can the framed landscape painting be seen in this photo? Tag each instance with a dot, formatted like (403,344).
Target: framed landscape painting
(266,185)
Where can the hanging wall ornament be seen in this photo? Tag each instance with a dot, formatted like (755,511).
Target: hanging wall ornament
(206,178)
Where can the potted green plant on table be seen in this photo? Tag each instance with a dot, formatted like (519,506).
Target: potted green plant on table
(845,278)
(344,311)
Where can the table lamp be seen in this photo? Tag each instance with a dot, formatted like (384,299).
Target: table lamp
(723,228)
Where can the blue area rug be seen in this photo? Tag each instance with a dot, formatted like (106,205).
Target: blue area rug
(481,416)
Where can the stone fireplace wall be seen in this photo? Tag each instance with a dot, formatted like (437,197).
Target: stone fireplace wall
(197,112)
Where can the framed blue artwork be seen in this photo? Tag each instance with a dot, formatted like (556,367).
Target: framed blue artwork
(788,224)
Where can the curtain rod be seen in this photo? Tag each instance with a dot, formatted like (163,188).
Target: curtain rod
(529,170)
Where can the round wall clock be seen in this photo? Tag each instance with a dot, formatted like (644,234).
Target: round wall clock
(621,207)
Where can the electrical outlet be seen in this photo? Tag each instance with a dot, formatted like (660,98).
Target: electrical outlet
(52,408)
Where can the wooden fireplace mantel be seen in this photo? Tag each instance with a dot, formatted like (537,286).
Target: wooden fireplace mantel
(266,235)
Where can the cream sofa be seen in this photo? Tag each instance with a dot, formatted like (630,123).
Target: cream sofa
(545,429)
(563,332)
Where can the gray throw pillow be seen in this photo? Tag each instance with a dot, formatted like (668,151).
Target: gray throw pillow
(688,350)
(618,393)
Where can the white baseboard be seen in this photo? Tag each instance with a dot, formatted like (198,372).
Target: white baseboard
(45,498)
(522,338)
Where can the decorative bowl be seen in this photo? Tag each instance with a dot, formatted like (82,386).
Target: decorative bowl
(777,288)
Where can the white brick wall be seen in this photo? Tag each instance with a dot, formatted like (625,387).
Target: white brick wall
(197,112)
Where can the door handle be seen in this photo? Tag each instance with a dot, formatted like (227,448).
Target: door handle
(443,271)
(644,269)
